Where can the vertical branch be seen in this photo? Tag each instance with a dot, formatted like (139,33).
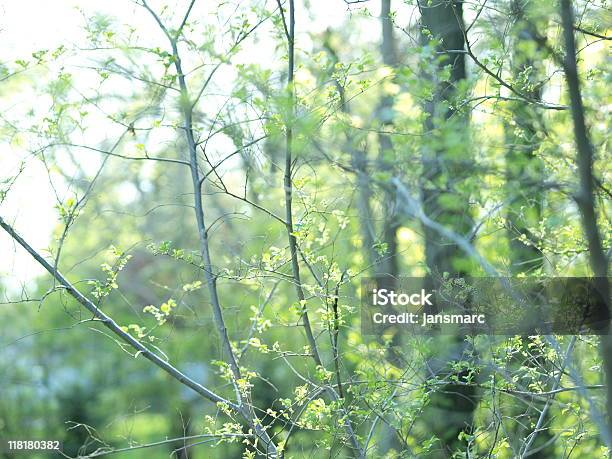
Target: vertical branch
(295,266)
(246,409)
(334,330)
(289,28)
(210,277)
(541,418)
(585,198)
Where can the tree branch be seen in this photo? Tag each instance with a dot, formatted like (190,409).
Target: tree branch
(113,326)
(245,409)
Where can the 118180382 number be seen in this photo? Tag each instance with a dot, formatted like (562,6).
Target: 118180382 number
(31,445)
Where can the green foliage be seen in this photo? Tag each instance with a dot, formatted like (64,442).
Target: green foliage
(107,121)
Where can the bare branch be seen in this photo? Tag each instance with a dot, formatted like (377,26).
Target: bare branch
(184,21)
(118,155)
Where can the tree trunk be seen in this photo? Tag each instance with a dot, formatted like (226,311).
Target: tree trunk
(387,265)
(585,198)
(447,164)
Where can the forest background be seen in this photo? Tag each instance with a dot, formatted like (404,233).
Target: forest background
(191,193)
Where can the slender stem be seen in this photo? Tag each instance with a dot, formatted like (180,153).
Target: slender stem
(107,452)
(555,389)
(293,248)
(289,189)
(210,277)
